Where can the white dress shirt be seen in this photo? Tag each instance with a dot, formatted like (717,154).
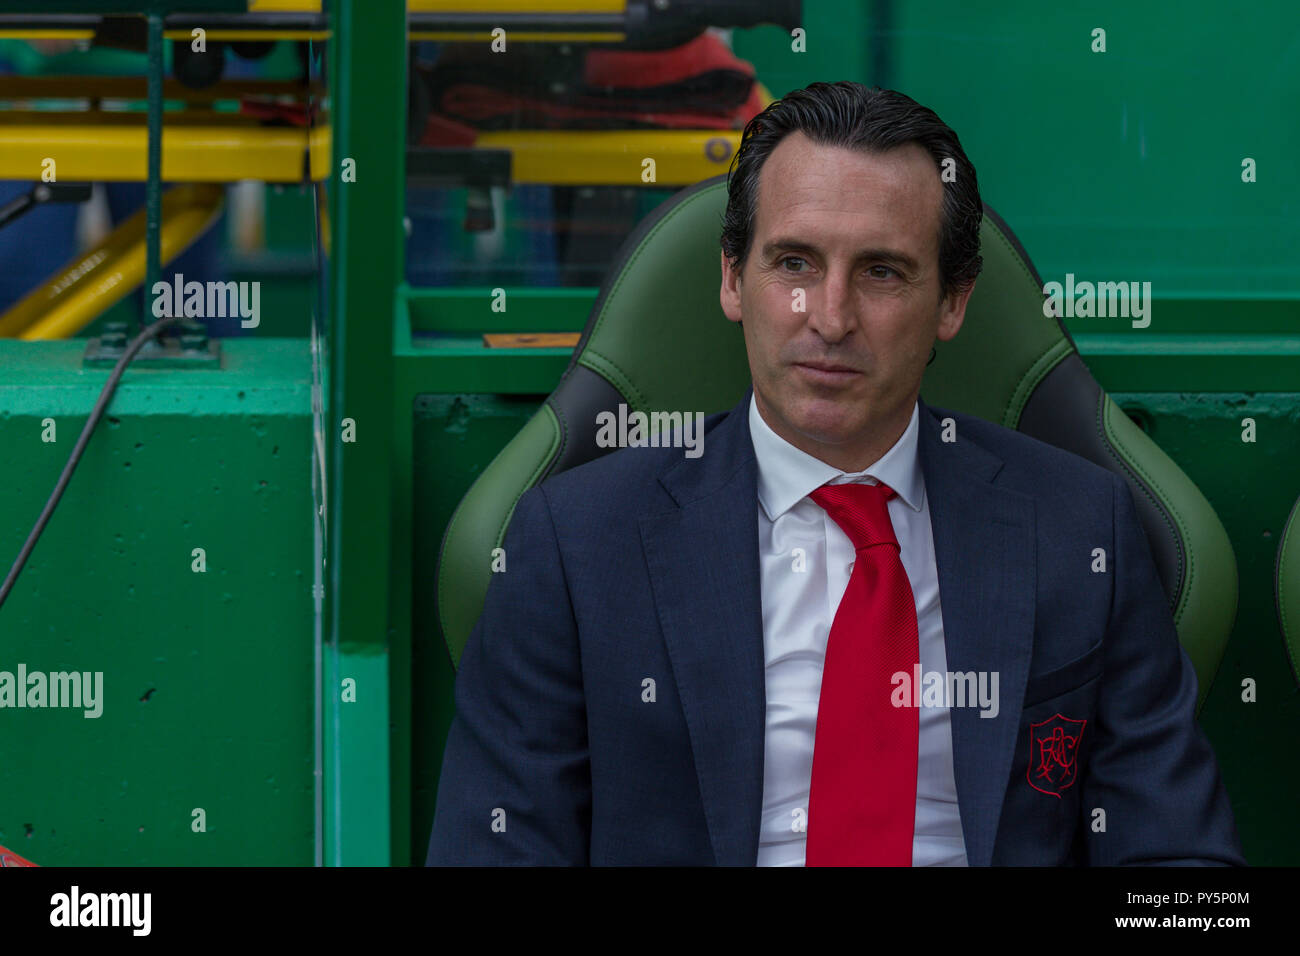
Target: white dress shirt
(798,609)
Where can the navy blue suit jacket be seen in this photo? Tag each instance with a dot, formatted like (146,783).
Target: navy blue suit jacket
(644,564)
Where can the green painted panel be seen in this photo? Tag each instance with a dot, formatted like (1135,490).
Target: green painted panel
(1122,165)
(207,686)
(454,438)
(1252,486)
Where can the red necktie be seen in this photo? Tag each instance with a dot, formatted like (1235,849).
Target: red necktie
(862,801)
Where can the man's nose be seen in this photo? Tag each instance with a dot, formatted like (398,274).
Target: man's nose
(833,309)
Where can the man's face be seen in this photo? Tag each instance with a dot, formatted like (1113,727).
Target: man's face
(853,238)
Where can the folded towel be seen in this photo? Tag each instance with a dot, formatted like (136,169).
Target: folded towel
(698,85)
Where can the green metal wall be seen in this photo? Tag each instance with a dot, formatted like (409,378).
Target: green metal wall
(1252,486)
(1122,164)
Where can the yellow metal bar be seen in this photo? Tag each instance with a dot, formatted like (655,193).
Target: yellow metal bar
(48,33)
(284,6)
(270,33)
(614,157)
(197,146)
(93,282)
(413,6)
(319,139)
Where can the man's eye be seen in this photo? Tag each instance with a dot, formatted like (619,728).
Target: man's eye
(788,259)
(885,268)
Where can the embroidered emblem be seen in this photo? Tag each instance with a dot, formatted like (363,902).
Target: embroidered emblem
(1053,754)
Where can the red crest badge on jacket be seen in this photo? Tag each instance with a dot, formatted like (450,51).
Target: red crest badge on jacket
(1053,754)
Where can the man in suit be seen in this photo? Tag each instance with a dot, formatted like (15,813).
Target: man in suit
(857,629)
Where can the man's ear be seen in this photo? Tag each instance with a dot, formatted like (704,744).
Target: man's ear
(952,313)
(729,293)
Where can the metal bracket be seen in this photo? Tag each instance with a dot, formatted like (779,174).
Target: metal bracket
(191,348)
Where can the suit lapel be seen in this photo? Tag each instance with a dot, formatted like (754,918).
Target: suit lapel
(704,574)
(984,543)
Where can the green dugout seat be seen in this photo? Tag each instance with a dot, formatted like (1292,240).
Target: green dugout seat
(1286,587)
(656,338)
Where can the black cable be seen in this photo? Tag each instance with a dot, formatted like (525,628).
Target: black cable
(16,207)
(105,396)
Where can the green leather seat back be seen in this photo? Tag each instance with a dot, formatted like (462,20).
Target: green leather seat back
(657,339)
(1286,587)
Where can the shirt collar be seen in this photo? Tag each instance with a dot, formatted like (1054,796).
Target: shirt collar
(786,474)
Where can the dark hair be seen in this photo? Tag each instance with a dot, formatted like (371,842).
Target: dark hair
(851,115)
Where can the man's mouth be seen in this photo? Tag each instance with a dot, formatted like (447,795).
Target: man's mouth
(830,373)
